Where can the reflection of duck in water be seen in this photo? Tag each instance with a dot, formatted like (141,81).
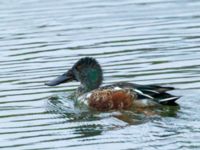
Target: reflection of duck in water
(121,95)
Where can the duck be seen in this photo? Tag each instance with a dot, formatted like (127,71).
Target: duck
(116,96)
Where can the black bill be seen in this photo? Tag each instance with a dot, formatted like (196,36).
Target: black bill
(66,77)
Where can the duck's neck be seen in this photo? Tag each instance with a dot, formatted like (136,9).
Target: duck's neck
(87,87)
(84,88)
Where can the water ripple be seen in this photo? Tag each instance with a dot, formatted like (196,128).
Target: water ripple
(140,41)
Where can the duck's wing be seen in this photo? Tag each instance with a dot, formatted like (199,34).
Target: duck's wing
(154,92)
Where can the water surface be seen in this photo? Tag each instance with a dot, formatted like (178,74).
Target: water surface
(141,41)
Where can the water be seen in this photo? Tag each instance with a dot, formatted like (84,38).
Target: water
(141,41)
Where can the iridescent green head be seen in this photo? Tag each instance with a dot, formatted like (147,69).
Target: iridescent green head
(87,71)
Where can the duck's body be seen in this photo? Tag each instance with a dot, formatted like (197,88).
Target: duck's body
(121,95)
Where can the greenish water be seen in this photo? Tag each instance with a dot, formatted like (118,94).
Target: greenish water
(141,41)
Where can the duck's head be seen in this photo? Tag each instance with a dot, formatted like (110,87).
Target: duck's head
(87,71)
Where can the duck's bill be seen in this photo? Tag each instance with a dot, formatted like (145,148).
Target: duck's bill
(66,77)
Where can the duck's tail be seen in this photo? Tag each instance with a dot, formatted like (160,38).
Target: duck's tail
(158,94)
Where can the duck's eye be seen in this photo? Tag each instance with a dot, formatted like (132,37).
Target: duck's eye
(78,68)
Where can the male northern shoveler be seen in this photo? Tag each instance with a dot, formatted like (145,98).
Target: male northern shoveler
(121,95)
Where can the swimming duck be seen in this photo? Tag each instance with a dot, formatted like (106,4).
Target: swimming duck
(120,95)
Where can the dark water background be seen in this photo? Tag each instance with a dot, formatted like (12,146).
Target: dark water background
(141,41)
